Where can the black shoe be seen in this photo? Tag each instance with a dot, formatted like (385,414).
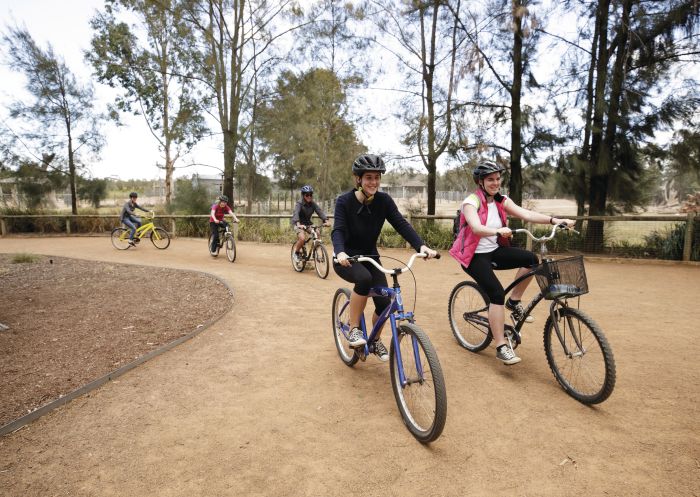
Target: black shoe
(517,311)
(380,350)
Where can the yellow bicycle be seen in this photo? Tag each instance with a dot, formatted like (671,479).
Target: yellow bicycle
(159,237)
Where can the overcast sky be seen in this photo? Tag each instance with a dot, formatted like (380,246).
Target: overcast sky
(131,152)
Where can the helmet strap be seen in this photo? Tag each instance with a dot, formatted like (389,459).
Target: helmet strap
(368,198)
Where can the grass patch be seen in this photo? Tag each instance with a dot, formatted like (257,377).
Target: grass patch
(24,258)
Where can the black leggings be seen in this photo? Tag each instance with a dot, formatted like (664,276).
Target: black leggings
(365,276)
(482,265)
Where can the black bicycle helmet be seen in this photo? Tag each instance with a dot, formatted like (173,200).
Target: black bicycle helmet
(485,168)
(223,198)
(307,189)
(366,163)
(133,195)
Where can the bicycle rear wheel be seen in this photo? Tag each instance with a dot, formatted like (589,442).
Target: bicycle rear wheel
(579,356)
(230,248)
(321,261)
(422,400)
(160,238)
(298,264)
(340,316)
(216,249)
(120,238)
(468,310)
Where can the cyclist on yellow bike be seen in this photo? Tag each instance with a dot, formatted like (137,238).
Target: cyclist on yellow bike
(301,218)
(128,216)
(218,210)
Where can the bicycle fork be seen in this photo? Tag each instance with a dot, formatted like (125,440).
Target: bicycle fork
(555,314)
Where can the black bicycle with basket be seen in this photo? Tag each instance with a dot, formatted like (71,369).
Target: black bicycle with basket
(576,348)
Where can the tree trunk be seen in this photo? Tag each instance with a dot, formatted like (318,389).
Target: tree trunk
(599,178)
(515,187)
(72,175)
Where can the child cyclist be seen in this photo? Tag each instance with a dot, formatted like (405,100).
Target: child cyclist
(482,245)
(358,220)
(218,210)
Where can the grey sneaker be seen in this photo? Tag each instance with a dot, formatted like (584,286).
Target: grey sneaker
(506,355)
(355,338)
(517,312)
(380,350)
(132,243)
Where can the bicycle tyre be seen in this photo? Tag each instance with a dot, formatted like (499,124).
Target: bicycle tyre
(301,264)
(424,423)
(230,248)
(341,300)
(321,265)
(120,238)
(160,238)
(473,334)
(216,252)
(571,372)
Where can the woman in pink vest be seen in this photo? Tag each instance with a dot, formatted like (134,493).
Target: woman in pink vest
(483,244)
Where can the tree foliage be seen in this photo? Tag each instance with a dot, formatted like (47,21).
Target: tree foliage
(152,61)
(59,121)
(316,145)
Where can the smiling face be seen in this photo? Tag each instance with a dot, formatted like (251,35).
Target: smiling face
(491,183)
(370,182)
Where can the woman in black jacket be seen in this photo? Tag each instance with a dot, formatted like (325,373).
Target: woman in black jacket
(358,220)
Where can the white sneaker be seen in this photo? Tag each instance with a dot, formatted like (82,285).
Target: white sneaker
(355,338)
(506,355)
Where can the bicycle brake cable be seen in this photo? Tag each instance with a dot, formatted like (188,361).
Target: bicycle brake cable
(415,283)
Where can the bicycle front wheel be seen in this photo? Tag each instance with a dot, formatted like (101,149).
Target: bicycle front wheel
(230,248)
(297,264)
(468,310)
(120,238)
(579,356)
(321,261)
(421,397)
(340,317)
(160,238)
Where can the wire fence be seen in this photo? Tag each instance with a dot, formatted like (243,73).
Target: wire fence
(655,237)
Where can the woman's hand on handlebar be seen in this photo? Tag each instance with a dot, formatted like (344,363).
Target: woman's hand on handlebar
(342,259)
(504,232)
(424,249)
(559,221)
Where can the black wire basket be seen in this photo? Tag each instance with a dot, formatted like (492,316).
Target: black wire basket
(562,278)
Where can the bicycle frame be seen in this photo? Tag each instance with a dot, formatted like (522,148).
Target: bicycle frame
(394,312)
(559,301)
(315,240)
(142,230)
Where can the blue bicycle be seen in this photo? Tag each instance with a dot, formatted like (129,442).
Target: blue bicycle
(416,375)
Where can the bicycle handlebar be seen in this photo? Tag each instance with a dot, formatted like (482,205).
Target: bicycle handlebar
(361,258)
(561,226)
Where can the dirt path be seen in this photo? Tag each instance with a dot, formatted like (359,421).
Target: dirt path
(245,409)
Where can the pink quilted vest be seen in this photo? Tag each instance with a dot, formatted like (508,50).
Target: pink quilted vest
(465,244)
